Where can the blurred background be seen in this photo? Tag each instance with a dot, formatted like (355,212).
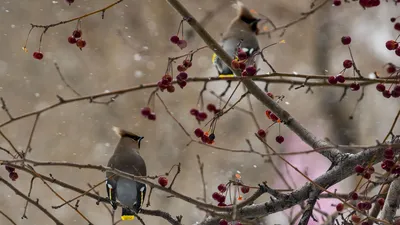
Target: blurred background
(130,46)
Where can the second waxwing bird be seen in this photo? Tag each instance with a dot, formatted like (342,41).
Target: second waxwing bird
(126,158)
(242,31)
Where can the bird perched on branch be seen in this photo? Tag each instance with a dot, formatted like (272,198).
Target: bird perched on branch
(126,157)
(240,35)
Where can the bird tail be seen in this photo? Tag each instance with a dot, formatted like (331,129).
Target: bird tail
(124,133)
(127,214)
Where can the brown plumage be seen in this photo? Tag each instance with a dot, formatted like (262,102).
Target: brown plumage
(126,155)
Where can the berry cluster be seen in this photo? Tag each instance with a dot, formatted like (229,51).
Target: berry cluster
(205,137)
(347,64)
(389,164)
(76,38)
(395,93)
(213,108)
(270,115)
(166,83)
(163,181)
(12,174)
(200,116)
(146,112)
(361,205)
(179,42)
(365,172)
(239,63)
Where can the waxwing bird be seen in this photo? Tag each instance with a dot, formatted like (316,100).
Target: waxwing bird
(126,157)
(242,32)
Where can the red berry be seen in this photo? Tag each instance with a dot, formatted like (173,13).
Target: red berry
(273,117)
(170,88)
(71,40)
(223,222)
(242,55)
(38,55)
(181,68)
(221,198)
(194,112)
(182,76)
(397,51)
(174,39)
(380,87)
(235,64)
(397,26)
(211,108)
(163,181)
(381,201)
(391,68)
(244,73)
(251,70)
(216,196)
(395,94)
(70,1)
(261,133)
(361,206)
(167,77)
(332,80)
(182,83)
(81,43)
(386,93)
(146,111)
(245,189)
(279,139)
(242,66)
(152,116)
(222,188)
(392,19)
(392,45)
(10,169)
(77,33)
(367,205)
(13,176)
(347,63)
(187,63)
(221,204)
(370,170)
(340,78)
(205,139)
(339,207)
(346,40)
(182,44)
(367,176)
(199,133)
(337,2)
(355,86)
(359,169)
(355,218)
(354,195)
(201,116)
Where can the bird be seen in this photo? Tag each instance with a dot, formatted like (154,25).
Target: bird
(241,33)
(126,158)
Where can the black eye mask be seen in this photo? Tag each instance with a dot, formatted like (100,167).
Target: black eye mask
(251,21)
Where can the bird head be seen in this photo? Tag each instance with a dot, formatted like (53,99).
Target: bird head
(136,139)
(245,19)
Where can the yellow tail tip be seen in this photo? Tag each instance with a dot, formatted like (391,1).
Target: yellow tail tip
(127,217)
(226,75)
